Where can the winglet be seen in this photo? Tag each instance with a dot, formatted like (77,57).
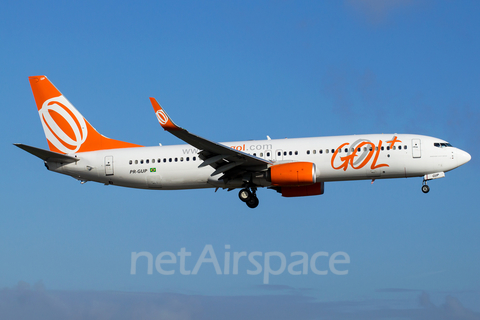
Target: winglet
(163,118)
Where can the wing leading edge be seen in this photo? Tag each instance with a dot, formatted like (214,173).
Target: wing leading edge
(223,159)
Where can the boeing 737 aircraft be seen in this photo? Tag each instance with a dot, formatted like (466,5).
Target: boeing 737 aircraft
(293,167)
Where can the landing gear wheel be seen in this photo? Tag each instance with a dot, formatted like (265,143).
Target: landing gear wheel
(425,188)
(252,202)
(249,195)
(245,195)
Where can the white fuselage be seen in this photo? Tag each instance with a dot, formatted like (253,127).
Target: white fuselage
(360,157)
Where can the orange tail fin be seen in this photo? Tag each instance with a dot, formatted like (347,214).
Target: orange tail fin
(67,131)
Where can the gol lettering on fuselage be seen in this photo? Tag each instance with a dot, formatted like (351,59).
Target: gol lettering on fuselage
(370,150)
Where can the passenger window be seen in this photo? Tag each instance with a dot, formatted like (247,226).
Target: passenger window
(314,151)
(308,151)
(147,161)
(404,147)
(159,160)
(130,162)
(333,150)
(169,159)
(181,159)
(382,148)
(321,151)
(326,150)
(176,159)
(290,153)
(296,153)
(141,161)
(164,159)
(254,154)
(388,148)
(284,153)
(394,147)
(268,154)
(279,153)
(194,158)
(261,154)
(188,158)
(359,149)
(339,150)
(346,149)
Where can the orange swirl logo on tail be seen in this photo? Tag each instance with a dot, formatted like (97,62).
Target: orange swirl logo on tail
(65,128)
(162,117)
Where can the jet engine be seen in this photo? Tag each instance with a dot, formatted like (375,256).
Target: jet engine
(292,174)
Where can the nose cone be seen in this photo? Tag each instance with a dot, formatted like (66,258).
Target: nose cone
(463,157)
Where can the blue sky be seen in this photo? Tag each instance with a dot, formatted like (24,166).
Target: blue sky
(233,71)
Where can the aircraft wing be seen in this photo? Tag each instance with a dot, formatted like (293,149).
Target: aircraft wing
(226,160)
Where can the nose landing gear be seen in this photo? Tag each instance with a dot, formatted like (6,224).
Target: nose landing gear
(425,187)
(249,196)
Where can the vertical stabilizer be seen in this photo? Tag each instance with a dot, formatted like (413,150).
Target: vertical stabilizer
(66,130)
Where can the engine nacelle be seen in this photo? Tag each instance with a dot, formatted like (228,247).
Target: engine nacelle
(292,174)
(311,190)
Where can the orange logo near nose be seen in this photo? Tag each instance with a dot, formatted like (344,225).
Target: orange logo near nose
(351,160)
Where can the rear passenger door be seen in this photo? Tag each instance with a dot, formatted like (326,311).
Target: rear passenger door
(109,165)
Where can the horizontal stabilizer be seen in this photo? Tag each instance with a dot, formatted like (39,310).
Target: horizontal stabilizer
(47,155)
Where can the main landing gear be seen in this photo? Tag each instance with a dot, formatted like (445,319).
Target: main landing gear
(249,196)
(425,188)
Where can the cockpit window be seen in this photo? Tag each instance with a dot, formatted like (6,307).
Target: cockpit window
(442,144)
